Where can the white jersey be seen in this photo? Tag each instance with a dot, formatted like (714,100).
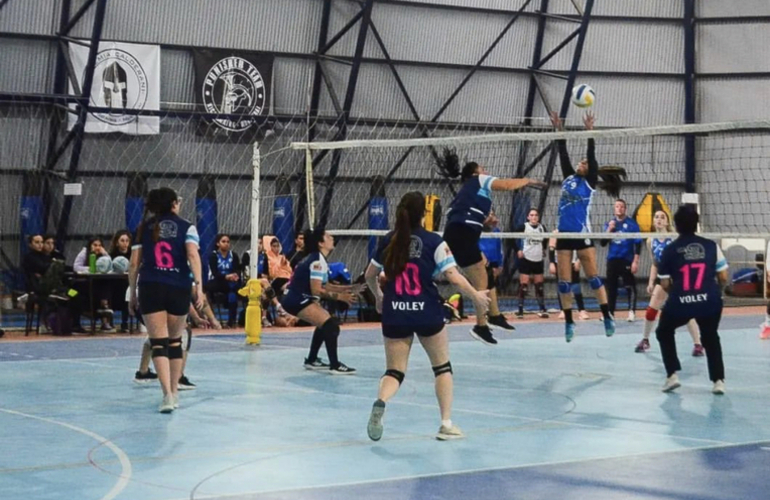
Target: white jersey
(532,246)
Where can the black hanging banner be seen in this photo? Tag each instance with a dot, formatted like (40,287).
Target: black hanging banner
(233,83)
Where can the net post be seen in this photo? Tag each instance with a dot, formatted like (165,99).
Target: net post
(309,188)
(255,198)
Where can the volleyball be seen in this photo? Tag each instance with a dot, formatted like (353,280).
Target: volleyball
(583,96)
(120,264)
(103,264)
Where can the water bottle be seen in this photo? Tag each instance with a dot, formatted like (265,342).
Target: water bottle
(92,263)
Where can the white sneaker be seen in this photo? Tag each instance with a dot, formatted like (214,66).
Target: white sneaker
(167,405)
(672,383)
(719,387)
(176,401)
(584,315)
(561,314)
(631,316)
(449,433)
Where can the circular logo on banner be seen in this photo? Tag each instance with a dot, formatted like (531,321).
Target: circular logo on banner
(234,86)
(120,82)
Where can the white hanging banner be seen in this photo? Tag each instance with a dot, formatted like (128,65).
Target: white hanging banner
(127,76)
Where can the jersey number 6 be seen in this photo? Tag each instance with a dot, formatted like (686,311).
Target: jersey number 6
(163,257)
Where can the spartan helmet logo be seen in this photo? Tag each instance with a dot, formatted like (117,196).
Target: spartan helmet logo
(693,251)
(115,89)
(235,96)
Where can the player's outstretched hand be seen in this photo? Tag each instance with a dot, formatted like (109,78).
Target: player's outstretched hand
(588,120)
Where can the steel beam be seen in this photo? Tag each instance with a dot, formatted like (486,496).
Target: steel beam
(350,93)
(577,54)
(83,109)
(689,93)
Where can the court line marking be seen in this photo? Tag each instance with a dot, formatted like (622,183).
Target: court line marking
(467,471)
(125,463)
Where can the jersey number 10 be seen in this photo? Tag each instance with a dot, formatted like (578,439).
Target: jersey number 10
(409,281)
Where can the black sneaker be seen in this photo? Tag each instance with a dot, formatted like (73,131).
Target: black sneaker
(519,315)
(185,384)
(483,334)
(318,364)
(500,321)
(145,378)
(341,369)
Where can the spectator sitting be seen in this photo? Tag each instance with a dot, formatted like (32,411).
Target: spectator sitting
(261,264)
(49,248)
(224,276)
(299,250)
(279,269)
(42,279)
(101,289)
(121,247)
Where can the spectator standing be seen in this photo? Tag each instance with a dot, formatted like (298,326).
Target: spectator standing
(622,259)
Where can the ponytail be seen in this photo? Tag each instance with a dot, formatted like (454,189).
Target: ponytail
(449,166)
(409,214)
(159,202)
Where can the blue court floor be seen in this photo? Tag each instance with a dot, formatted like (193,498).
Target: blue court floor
(543,420)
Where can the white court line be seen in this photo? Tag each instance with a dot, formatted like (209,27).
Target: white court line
(126,470)
(471,471)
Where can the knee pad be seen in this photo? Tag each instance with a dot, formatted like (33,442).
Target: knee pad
(396,374)
(565,286)
(159,347)
(330,328)
(595,282)
(175,348)
(523,289)
(539,289)
(442,369)
(575,287)
(490,278)
(650,314)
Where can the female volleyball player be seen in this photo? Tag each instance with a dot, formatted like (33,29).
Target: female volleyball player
(531,261)
(465,220)
(411,304)
(163,246)
(693,271)
(658,296)
(577,291)
(308,284)
(577,192)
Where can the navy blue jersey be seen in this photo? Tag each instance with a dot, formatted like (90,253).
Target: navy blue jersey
(312,267)
(692,264)
(657,246)
(412,298)
(623,249)
(165,260)
(473,202)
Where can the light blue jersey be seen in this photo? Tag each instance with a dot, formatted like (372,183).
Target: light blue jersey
(575,205)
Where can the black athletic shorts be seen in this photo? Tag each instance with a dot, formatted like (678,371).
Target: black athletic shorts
(528,267)
(405,332)
(565,244)
(157,297)
(464,244)
(293,303)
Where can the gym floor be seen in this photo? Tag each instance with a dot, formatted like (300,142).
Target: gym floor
(543,420)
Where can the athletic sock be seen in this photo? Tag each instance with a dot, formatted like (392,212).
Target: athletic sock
(605,310)
(568,315)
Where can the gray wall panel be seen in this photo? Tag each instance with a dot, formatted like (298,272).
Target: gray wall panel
(624,102)
(26,66)
(646,8)
(720,8)
(725,99)
(30,16)
(266,25)
(612,46)
(726,48)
